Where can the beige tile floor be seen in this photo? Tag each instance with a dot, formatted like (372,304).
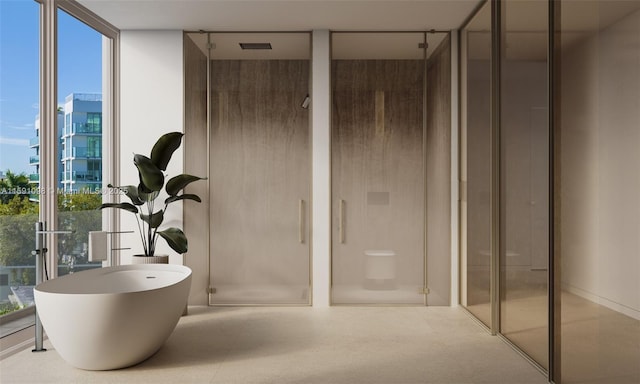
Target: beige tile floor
(598,345)
(306,345)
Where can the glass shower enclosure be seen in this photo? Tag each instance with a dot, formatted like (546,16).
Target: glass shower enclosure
(385,146)
(257,116)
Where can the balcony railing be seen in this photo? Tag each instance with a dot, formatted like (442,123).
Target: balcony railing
(17,279)
(34,177)
(79,176)
(34,160)
(82,128)
(34,142)
(82,153)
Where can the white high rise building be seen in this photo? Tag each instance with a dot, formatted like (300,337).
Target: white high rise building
(80,143)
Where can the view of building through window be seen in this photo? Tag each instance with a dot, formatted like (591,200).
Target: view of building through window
(19,163)
(78,139)
(80,144)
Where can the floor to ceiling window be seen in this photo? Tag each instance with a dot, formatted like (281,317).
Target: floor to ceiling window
(19,156)
(52,143)
(80,136)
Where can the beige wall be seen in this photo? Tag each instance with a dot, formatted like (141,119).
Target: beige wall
(600,141)
(152,101)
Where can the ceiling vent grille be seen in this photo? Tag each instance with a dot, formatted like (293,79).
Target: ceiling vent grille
(255,45)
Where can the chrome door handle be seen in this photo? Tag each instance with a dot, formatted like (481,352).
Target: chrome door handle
(301,221)
(341,221)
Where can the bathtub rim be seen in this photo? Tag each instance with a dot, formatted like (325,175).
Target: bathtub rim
(52,286)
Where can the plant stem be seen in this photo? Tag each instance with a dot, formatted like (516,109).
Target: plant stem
(144,245)
(155,231)
(149,229)
(155,239)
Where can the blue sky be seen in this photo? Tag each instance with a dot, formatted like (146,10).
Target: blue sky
(79,71)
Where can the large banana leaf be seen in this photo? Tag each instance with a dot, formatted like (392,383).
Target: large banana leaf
(152,180)
(175,238)
(177,183)
(186,196)
(146,195)
(155,220)
(164,148)
(126,206)
(151,177)
(131,192)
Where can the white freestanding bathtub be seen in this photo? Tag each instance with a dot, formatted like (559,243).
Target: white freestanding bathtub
(113,317)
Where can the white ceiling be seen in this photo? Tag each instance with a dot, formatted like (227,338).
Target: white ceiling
(526,20)
(226,46)
(284,15)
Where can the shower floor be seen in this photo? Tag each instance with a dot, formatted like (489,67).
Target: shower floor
(257,294)
(357,294)
(234,294)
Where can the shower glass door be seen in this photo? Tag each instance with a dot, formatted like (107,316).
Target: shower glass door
(259,168)
(378,189)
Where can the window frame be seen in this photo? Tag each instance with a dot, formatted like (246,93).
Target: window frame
(48,141)
(48,108)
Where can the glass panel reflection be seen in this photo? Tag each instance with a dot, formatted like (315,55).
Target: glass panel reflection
(476,168)
(600,213)
(525,178)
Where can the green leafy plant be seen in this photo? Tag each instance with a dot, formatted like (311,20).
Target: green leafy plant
(143,196)
(8,308)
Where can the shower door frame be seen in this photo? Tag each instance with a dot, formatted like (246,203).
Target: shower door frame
(306,206)
(424,290)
